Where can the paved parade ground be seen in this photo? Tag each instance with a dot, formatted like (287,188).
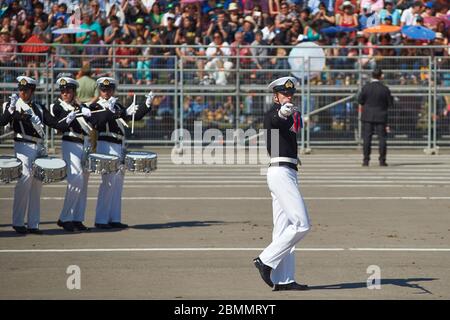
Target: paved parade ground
(194,230)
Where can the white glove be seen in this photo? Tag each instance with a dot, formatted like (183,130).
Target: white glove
(11,108)
(70,117)
(150,96)
(286,110)
(112,104)
(12,104)
(86,112)
(36,120)
(132,109)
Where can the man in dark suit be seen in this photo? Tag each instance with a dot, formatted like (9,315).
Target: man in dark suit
(375,99)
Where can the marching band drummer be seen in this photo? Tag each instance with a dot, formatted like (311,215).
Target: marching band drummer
(111,141)
(72,117)
(26,118)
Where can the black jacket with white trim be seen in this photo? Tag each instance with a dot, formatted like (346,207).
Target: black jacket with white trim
(287,138)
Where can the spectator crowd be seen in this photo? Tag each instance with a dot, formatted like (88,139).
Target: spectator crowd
(207,35)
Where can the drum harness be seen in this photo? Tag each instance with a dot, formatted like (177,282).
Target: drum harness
(84,126)
(121,124)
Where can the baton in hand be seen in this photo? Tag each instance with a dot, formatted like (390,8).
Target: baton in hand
(80,114)
(132,119)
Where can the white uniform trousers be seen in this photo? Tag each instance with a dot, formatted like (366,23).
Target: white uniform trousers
(109,202)
(77,182)
(27,192)
(291,223)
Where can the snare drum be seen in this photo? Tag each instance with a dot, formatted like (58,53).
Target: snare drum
(10,168)
(141,161)
(103,163)
(49,169)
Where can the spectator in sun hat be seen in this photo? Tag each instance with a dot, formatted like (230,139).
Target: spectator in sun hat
(348,18)
(339,8)
(248,29)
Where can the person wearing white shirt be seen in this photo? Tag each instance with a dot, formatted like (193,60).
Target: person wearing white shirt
(218,66)
(314,5)
(410,15)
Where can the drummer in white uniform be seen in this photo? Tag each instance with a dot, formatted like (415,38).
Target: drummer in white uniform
(27,119)
(73,122)
(111,141)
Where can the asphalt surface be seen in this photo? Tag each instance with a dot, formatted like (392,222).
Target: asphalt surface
(194,230)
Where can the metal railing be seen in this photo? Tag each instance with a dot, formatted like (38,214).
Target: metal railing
(231,92)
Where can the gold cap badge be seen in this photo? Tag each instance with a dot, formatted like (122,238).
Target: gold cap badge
(289,84)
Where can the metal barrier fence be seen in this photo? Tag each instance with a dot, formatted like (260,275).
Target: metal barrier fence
(230,92)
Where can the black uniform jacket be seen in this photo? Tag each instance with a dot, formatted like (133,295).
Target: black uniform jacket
(106,122)
(74,127)
(21,122)
(287,138)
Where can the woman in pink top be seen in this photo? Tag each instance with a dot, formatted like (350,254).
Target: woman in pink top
(347,18)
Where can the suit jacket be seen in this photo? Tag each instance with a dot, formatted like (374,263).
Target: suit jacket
(376,99)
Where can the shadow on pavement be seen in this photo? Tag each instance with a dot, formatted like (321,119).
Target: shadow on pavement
(396,282)
(178,224)
(415,164)
(55,232)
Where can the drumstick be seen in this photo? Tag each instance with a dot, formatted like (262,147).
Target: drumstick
(80,113)
(132,120)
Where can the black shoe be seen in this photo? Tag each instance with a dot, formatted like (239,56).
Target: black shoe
(68,225)
(294,286)
(365,163)
(20,230)
(34,231)
(118,225)
(264,271)
(78,225)
(383,164)
(102,226)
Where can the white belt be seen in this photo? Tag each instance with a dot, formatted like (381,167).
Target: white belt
(284,159)
(27,137)
(110,134)
(73,134)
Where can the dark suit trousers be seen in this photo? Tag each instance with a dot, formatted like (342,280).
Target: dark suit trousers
(368,128)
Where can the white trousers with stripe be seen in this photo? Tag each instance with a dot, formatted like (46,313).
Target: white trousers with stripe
(74,207)
(109,202)
(27,192)
(290,223)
